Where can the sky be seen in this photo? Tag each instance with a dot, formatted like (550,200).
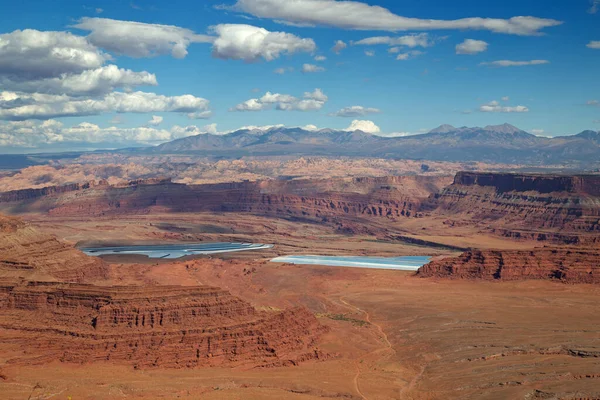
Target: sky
(105,74)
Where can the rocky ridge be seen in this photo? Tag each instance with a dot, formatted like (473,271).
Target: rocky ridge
(570,265)
(149,326)
(28,253)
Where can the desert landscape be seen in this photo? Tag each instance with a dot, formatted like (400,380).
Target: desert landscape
(510,292)
(299,199)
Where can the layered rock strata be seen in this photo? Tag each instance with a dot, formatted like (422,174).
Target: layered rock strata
(150,326)
(566,265)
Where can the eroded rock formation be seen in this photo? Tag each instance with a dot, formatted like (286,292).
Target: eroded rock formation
(388,197)
(150,326)
(568,265)
(27,253)
(541,207)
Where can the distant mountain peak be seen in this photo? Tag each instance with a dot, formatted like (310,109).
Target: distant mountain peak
(504,128)
(445,128)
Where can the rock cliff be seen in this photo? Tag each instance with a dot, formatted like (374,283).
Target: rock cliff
(150,326)
(388,197)
(27,253)
(567,265)
(542,207)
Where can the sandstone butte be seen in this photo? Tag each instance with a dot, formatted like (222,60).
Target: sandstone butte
(46,314)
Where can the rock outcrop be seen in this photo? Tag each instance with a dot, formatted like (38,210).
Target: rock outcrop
(150,326)
(564,264)
(541,207)
(27,253)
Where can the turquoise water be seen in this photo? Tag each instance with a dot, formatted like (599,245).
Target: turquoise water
(172,251)
(396,263)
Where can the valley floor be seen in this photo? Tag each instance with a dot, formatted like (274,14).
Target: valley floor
(393,335)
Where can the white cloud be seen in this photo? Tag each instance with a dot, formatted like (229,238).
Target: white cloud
(339,46)
(495,107)
(394,50)
(283,70)
(156,120)
(320,58)
(200,115)
(537,132)
(34,134)
(311,101)
(99,10)
(179,132)
(409,55)
(355,111)
(419,40)
(311,68)
(593,102)
(91,82)
(594,6)
(32,55)
(471,46)
(249,43)
(363,125)
(594,44)
(506,98)
(369,53)
(137,39)
(361,16)
(18,106)
(509,63)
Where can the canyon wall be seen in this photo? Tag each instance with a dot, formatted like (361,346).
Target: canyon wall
(568,265)
(27,253)
(388,197)
(542,207)
(150,326)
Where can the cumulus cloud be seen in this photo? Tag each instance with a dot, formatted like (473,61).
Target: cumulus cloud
(32,55)
(495,107)
(361,16)
(156,120)
(594,44)
(311,68)
(419,40)
(89,83)
(137,39)
(363,125)
(509,63)
(320,58)
(369,53)
(311,101)
(355,111)
(339,46)
(34,134)
(409,55)
(19,106)
(471,46)
(250,43)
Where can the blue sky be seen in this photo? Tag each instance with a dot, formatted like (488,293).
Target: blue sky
(430,85)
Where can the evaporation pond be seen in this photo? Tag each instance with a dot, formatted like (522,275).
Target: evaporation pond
(175,250)
(397,263)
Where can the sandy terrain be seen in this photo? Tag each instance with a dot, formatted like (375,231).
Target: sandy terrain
(392,336)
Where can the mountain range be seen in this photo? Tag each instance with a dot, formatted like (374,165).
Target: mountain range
(496,144)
